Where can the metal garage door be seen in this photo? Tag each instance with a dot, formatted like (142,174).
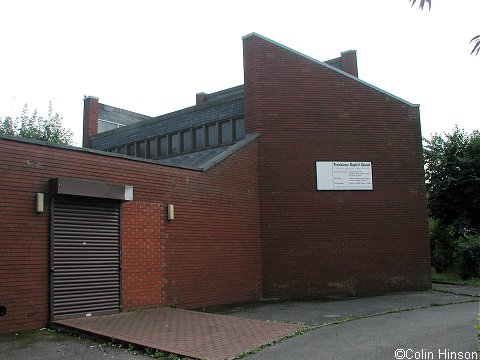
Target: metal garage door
(85,257)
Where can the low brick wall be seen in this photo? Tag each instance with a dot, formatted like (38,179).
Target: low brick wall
(210,253)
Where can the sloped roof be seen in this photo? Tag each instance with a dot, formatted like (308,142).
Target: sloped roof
(227,103)
(199,161)
(333,68)
(119,116)
(205,159)
(225,93)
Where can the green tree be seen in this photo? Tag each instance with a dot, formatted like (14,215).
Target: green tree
(37,127)
(475,40)
(452,167)
(422,3)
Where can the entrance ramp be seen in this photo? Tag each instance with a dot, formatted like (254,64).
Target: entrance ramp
(184,332)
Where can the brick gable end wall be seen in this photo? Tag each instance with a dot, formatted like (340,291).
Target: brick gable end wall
(334,242)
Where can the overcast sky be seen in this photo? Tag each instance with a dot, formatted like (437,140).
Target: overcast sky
(152,57)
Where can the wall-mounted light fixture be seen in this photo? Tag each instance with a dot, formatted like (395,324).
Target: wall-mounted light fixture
(39,202)
(170,212)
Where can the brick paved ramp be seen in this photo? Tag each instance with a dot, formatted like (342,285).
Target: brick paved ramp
(184,332)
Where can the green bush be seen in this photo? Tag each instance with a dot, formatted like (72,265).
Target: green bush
(467,256)
(453,251)
(442,247)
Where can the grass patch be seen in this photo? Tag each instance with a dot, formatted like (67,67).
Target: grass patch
(451,277)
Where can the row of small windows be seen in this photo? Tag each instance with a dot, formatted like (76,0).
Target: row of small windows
(184,141)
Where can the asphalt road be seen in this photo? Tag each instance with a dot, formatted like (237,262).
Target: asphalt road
(432,330)
(435,333)
(327,310)
(48,344)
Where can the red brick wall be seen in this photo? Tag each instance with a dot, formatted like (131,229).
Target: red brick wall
(210,253)
(333,242)
(142,255)
(216,258)
(24,251)
(90,119)
(349,62)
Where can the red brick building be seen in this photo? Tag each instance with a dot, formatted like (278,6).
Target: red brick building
(222,202)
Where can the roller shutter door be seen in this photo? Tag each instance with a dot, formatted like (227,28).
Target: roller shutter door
(85,257)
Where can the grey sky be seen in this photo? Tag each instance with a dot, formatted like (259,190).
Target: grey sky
(153,56)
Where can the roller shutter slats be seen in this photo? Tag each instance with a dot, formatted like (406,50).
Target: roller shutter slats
(86,257)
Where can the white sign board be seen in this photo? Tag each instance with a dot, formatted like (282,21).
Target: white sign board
(344,175)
